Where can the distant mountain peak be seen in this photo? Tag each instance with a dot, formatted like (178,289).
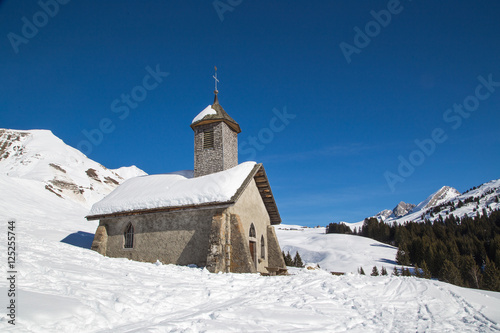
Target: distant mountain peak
(402,209)
(445,193)
(384,214)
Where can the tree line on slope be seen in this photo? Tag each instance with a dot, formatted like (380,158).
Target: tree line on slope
(462,251)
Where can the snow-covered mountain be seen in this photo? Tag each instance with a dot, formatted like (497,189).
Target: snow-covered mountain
(40,156)
(383,215)
(401,209)
(444,194)
(445,201)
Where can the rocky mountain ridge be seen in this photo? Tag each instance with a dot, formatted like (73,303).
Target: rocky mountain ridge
(40,156)
(482,199)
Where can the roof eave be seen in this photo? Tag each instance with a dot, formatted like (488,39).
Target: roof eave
(210,205)
(259,174)
(235,127)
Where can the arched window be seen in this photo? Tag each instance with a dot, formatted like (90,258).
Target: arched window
(128,236)
(262,247)
(252,231)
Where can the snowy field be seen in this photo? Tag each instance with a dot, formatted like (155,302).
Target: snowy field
(336,252)
(65,287)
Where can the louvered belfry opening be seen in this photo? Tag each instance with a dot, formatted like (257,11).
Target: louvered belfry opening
(208,139)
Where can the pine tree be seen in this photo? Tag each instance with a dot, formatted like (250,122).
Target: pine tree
(418,272)
(470,272)
(403,255)
(395,272)
(426,274)
(384,271)
(374,271)
(491,276)
(297,260)
(361,271)
(449,273)
(288,259)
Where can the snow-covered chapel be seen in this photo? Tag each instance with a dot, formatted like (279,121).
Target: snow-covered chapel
(219,216)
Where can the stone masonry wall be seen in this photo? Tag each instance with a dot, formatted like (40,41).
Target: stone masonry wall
(230,149)
(179,238)
(223,156)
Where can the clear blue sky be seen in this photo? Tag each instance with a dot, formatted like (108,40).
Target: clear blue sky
(353,124)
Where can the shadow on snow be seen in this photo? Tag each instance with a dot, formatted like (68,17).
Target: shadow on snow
(384,245)
(80,239)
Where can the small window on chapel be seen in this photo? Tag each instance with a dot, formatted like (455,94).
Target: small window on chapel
(128,236)
(208,139)
(252,233)
(262,247)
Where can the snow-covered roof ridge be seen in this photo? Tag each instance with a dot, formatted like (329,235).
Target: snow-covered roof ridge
(174,190)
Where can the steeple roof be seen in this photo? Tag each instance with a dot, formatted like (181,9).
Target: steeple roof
(215,113)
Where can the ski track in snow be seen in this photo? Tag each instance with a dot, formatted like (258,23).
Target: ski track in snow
(64,288)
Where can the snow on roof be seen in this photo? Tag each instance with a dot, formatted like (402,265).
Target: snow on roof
(208,110)
(173,190)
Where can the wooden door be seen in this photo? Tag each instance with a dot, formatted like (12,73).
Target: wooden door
(253,250)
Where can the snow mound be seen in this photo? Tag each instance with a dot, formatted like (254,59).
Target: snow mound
(129,172)
(335,252)
(173,190)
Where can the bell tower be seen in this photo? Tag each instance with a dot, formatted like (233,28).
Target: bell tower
(215,139)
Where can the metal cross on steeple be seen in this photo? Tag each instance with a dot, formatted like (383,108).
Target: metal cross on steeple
(215,77)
